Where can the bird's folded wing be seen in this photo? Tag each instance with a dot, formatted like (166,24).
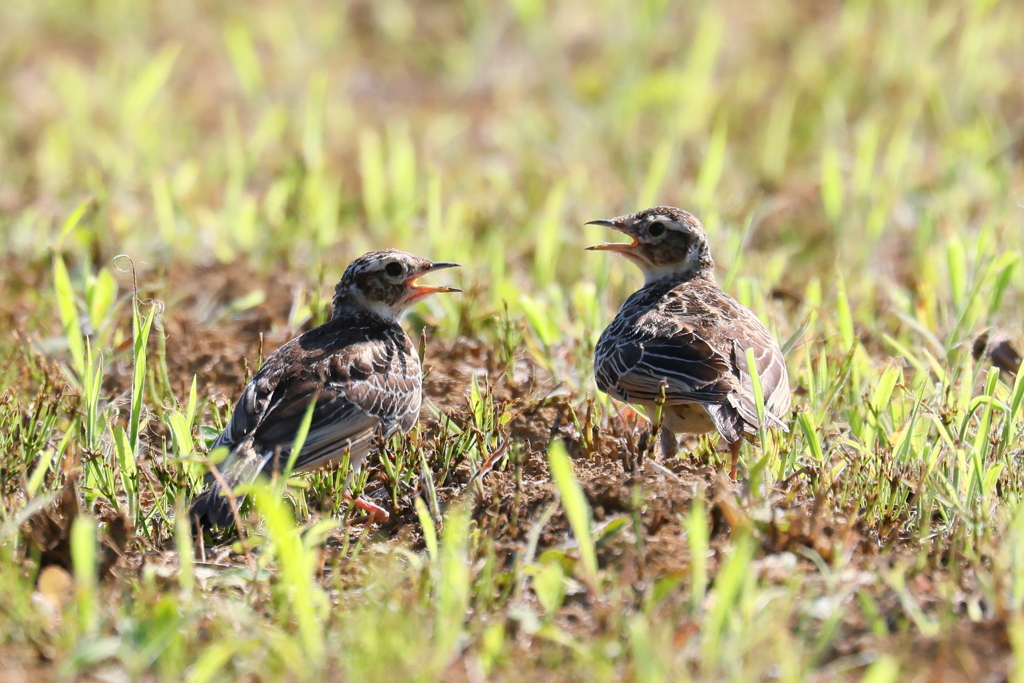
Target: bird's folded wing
(336,425)
(357,396)
(689,369)
(249,412)
(771,370)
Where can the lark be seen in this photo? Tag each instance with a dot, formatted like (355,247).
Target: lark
(360,371)
(682,341)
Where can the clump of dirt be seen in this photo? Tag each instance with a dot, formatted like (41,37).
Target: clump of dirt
(219,359)
(49,532)
(21,665)
(654,503)
(968,652)
(208,338)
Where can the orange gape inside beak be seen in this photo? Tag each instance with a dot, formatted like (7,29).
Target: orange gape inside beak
(420,291)
(620,247)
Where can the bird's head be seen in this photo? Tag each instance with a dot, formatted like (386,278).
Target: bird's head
(667,242)
(385,282)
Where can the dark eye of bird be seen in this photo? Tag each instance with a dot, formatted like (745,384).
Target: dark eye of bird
(394,269)
(656,229)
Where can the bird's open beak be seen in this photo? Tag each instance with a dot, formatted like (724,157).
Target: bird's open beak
(420,291)
(620,247)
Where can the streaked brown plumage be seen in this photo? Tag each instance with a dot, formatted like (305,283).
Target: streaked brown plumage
(360,367)
(683,335)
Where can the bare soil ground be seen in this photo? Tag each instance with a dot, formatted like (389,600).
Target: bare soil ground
(629,487)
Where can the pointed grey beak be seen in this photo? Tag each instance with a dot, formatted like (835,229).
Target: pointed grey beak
(441,265)
(614,224)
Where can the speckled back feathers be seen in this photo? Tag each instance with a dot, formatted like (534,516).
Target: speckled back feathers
(683,338)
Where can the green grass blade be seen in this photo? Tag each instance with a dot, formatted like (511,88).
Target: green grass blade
(83,558)
(698,538)
(300,436)
(68,309)
(576,507)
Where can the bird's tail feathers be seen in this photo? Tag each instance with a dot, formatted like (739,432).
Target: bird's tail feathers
(212,507)
(738,417)
(727,420)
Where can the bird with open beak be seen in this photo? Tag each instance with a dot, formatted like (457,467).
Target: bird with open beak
(682,342)
(359,369)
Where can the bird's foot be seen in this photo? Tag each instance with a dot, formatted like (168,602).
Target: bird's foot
(376,512)
(734,449)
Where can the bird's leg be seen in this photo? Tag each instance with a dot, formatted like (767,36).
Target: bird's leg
(734,449)
(376,512)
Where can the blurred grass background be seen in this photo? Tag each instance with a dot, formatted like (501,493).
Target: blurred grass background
(860,169)
(299,133)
